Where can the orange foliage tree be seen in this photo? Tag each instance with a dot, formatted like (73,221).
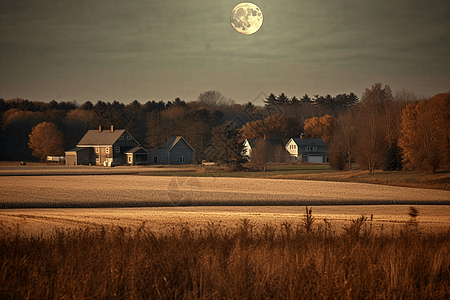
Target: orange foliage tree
(321,128)
(274,126)
(425,129)
(46,139)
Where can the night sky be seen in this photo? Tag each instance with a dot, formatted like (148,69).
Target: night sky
(162,49)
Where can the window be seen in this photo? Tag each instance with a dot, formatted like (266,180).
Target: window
(129,159)
(86,159)
(117,149)
(181,159)
(121,137)
(308,148)
(163,158)
(107,150)
(315,148)
(155,159)
(96,149)
(97,159)
(128,137)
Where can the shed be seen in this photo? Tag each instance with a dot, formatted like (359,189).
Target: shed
(79,156)
(136,156)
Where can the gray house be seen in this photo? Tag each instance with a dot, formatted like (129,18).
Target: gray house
(107,147)
(175,152)
(307,150)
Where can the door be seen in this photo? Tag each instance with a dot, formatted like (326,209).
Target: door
(318,159)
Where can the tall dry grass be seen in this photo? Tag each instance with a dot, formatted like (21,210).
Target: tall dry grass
(307,260)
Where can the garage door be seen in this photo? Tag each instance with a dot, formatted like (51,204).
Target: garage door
(315,159)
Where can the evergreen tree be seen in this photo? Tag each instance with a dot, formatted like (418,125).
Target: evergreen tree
(228,144)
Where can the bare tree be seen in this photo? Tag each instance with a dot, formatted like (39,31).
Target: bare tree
(214,99)
(371,144)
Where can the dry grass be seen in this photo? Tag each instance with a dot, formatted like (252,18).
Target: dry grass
(295,260)
(440,180)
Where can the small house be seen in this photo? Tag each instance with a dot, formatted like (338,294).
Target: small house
(307,150)
(175,152)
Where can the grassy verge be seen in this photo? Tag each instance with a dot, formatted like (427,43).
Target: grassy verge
(304,260)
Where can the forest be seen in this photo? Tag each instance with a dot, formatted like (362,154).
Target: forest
(380,130)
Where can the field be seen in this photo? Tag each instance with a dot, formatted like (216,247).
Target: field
(52,201)
(120,233)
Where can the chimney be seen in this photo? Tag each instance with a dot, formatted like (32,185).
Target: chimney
(99,128)
(112,128)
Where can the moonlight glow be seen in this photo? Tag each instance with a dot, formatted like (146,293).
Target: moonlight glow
(246,18)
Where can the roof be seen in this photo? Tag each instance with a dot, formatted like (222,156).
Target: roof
(173,141)
(135,150)
(104,138)
(308,142)
(76,150)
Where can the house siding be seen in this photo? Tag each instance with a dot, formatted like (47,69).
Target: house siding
(172,154)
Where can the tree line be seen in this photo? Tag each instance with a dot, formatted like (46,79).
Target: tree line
(380,131)
(151,123)
(389,132)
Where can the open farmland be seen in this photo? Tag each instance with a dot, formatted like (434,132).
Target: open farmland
(134,190)
(162,237)
(37,202)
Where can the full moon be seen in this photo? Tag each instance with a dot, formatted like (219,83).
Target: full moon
(246,18)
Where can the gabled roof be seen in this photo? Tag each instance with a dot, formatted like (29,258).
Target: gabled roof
(173,141)
(135,150)
(308,142)
(103,138)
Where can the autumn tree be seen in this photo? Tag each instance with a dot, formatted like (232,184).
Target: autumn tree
(320,127)
(425,129)
(274,126)
(46,139)
(261,152)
